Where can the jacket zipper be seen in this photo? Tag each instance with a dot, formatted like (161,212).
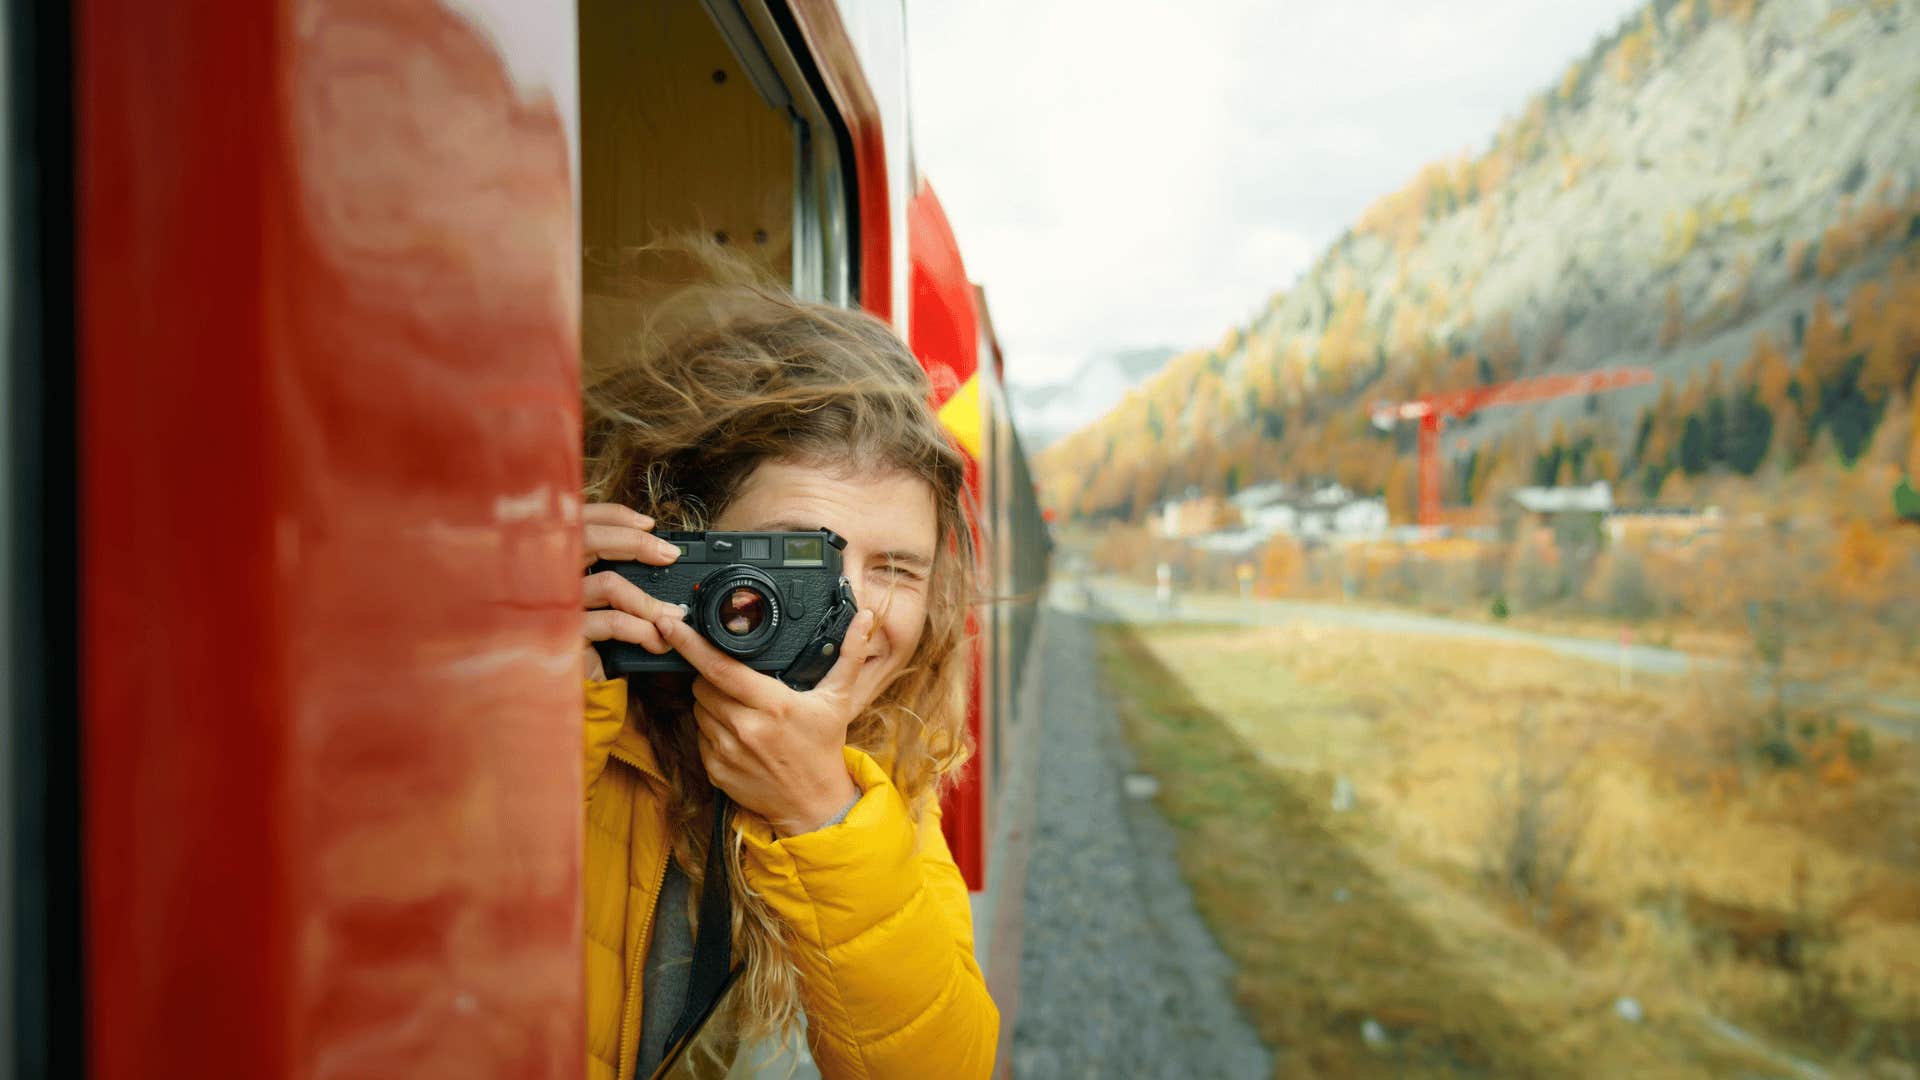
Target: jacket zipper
(630,1019)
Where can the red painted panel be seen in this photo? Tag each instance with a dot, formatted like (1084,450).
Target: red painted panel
(946,325)
(330,411)
(945,334)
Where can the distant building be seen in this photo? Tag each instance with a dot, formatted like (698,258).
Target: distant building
(1594,498)
(1347,518)
(1196,515)
(1247,500)
(1662,525)
(1324,515)
(1570,515)
(1243,541)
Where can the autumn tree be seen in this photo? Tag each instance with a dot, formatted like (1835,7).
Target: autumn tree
(1281,563)
(1822,355)
(1913,430)
(1885,367)
(1606,466)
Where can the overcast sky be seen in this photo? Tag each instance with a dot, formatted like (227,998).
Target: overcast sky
(1123,174)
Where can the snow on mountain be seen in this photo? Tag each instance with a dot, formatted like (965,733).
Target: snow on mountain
(1047,411)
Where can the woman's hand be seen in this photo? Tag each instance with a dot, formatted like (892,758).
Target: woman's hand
(617,609)
(775,750)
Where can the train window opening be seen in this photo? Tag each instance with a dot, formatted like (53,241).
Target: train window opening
(700,120)
(41,990)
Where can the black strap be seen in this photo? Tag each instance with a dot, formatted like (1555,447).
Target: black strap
(713,942)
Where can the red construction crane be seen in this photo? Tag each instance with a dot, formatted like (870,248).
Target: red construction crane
(1434,410)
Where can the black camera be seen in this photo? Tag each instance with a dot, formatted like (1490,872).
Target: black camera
(776,601)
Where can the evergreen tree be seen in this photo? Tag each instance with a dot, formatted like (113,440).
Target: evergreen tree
(1749,432)
(1546,466)
(1464,467)
(1849,413)
(1694,452)
(1715,422)
(1651,480)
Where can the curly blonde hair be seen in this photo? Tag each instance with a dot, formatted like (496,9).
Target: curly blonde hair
(689,388)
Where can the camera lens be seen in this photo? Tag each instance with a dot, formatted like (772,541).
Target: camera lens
(742,612)
(739,610)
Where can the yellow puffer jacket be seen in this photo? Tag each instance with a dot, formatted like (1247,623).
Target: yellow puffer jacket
(882,933)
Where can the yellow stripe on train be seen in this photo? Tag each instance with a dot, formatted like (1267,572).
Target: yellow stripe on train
(961,415)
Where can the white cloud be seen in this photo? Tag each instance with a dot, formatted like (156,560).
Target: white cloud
(1128,174)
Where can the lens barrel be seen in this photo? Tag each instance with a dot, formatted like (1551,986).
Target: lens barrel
(739,610)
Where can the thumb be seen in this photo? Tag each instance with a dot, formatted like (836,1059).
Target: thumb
(854,652)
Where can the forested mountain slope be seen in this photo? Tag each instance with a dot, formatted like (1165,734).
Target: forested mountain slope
(1725,190)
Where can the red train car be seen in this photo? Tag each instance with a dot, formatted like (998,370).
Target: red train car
(297,312)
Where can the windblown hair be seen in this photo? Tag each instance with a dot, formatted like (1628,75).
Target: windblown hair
(722,376)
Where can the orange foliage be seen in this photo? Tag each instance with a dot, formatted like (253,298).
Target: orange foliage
(1403,490)
(1862,561)
(1860,228)
(1769,371)
(1633,53)
(1439,188)
(1348,340)
(1822,354)
(1913,430)
(1281,562)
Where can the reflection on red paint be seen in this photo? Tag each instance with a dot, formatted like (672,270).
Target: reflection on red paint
(329,378)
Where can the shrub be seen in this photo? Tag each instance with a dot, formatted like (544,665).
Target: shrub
(1538,820)
(1628,594)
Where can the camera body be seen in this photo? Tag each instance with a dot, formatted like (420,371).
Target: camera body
(775,601)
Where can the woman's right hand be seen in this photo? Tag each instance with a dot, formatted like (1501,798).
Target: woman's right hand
(617,609)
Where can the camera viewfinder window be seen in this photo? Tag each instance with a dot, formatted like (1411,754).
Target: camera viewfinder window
(805,551)
(757,548)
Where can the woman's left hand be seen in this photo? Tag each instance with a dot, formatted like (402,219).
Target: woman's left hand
(775,750)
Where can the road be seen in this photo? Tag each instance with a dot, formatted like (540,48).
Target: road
(1117,600)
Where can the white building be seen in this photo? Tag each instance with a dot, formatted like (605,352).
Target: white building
(1595,498)
(1329,514)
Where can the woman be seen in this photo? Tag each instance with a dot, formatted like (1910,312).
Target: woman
(747,411)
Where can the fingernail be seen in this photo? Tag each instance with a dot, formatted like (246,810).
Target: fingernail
(666,549)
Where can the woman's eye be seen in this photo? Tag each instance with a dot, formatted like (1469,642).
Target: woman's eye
(901,573)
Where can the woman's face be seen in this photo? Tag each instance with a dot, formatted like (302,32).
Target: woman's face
(888,520)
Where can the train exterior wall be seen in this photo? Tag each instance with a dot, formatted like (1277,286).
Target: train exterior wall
(328,383)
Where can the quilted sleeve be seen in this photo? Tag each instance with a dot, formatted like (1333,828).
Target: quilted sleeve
(883,938)
(606,711)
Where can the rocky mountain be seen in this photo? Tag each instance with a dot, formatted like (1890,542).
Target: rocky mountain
(1712,179)
(1047,411)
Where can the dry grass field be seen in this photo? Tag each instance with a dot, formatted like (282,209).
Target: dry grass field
(1434,857)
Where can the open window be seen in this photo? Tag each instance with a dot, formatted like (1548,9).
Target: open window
(705,119)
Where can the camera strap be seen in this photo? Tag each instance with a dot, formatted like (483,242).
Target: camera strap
(711,970)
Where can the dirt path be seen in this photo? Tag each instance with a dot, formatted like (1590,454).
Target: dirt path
(1119,976)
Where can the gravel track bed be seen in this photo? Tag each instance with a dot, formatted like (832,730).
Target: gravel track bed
(1119,976)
